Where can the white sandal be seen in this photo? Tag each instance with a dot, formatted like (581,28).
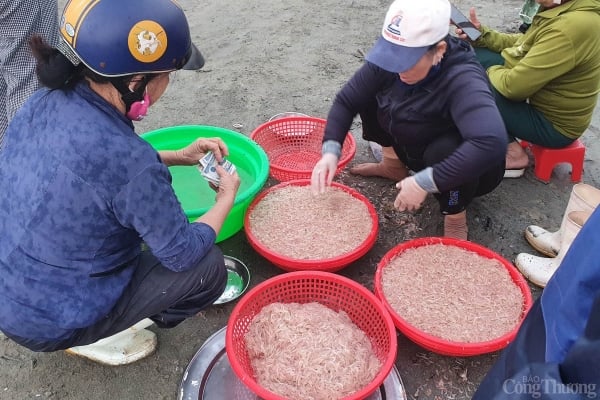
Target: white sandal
(122,348)
(514,173)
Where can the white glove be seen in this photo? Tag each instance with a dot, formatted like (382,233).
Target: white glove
(411,195)
(323,173)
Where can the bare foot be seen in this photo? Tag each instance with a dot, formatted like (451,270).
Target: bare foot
(455,226)
(387,168)
(516,156)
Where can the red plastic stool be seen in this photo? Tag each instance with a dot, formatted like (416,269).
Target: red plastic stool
(546,159)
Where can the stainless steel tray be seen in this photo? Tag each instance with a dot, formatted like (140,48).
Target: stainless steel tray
(209,377)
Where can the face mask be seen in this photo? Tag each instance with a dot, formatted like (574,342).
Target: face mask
(139,109)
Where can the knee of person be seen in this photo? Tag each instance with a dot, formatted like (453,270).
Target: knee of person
(440,149)
(214,264)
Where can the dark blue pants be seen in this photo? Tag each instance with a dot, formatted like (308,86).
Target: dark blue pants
(155,292)
(420,157)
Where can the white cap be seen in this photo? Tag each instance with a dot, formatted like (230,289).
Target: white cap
(409,29)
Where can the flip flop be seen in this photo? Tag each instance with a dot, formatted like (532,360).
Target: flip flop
(514,173)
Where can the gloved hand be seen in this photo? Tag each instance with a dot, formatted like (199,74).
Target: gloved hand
(323,173)
(411,195)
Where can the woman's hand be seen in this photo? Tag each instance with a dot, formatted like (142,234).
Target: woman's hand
(323,173)
(228,185)
(411,195)
(191,154)
(225,199)
(474,20)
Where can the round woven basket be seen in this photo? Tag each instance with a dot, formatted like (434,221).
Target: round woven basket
(329,289)
(293,146)
(437,344)
(332,264)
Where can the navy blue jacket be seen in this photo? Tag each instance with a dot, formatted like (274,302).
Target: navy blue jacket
(455,97)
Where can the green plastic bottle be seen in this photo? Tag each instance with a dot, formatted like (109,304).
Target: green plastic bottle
(529,9)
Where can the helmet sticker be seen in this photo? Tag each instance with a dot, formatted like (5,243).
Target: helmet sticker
(73,15)
(147,41)
(69,29)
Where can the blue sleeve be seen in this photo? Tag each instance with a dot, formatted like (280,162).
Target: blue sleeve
(149,205)
(577,377)
(355,96)
(556,353)
(569,295)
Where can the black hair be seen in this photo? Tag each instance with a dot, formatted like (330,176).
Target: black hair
(433,46)
(55,71)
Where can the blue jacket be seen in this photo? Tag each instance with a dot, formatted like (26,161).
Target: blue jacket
(80,192)
(556,353)
(454,97)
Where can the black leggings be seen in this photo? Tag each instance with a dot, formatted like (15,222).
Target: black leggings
(155,292)
(457,199)
(417,158)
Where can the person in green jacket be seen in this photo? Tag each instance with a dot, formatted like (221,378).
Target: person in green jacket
(546,80)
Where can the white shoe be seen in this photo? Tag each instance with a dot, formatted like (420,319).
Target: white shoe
(538,270)
(544,241)
(583,198)
(122,348)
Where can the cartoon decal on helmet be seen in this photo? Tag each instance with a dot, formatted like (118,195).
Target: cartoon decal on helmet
(147,41)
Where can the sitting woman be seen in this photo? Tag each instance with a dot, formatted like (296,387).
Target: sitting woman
(425,98)
(546,81)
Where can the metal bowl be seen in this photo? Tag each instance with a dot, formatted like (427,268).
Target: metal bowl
(287,114)
(209,376)
(238,279)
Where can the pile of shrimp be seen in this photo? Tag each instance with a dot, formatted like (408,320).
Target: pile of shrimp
(293,222)
(309,352)
(453,293)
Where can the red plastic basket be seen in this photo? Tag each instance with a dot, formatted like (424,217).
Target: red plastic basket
(293,146)
(434,343)
(329,289)
(327,264)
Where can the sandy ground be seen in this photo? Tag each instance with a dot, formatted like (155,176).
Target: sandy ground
(271,56)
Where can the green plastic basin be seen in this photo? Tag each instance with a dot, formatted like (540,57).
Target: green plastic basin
(192,190)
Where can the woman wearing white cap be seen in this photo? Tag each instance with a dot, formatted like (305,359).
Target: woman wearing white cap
(81,191)
(425,98)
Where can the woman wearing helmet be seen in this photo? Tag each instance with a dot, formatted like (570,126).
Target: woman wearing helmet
(82,191)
